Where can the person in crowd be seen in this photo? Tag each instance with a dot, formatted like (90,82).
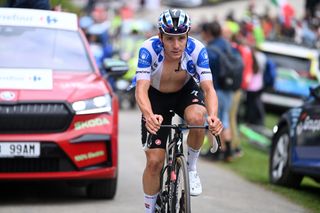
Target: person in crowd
(168,65)
(255,111)
(246,53)
(212,34)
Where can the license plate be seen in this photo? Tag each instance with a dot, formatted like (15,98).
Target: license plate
(22,149)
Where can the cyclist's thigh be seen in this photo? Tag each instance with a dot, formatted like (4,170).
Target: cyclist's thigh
(190,95)
(159,140)
(161,103)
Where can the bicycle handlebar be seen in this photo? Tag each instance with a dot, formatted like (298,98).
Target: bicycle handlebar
(185,126)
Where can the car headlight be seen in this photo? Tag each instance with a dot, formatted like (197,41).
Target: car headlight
(97,104)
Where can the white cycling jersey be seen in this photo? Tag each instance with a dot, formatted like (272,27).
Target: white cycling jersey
(151,56)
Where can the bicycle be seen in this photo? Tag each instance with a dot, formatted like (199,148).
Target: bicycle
(174,174)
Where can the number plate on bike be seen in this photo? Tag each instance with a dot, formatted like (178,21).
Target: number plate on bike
(21,149)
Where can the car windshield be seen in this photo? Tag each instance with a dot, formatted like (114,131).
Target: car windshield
(301,65)
(28,47)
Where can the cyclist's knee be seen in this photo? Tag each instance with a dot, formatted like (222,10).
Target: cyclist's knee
(195,118)
(154,166)
(195,115)
(155,160)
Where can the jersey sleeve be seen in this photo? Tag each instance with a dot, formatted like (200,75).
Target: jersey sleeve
(145,58)
(200,56)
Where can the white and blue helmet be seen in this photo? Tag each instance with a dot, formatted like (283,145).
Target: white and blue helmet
(174,22)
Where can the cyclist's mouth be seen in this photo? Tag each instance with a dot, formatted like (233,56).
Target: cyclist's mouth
(176,52)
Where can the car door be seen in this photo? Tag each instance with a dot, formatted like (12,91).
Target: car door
(306,152)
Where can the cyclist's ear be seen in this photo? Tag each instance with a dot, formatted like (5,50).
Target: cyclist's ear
(160,34)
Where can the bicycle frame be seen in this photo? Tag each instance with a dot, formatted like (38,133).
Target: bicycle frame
(173,151)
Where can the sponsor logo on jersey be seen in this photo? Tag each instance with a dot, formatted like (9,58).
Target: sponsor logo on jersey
(154,66)
(158,142)
(156,45)
(144,58)
(195,100)
(205,72)
(190,67)
(194,92)
(203,59)
(190,46)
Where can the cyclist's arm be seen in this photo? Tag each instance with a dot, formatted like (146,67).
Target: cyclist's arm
(210,96)
(211,100)
(142,97)
(153,121)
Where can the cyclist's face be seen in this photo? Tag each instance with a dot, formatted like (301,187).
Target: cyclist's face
(174,45)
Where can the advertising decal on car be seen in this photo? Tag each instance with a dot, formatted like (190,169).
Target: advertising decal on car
(38,18)
(91,123)
(89,155)
(85,154)
(308,125)
(35,79)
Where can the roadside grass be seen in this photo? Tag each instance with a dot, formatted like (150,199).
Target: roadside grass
(254,164)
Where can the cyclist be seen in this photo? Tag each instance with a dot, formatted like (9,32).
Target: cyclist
(167,68)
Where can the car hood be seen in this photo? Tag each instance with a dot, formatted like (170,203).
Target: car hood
(66,86)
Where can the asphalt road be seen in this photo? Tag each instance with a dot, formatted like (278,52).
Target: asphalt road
(223,191)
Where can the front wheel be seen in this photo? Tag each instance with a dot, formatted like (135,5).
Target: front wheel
(279,166)
(181,191)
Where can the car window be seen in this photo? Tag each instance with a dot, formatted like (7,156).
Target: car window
(27,47)
(298,64)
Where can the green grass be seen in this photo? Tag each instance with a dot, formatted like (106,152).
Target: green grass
(253,166)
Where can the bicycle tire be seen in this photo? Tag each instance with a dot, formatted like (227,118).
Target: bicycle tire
(162,203)
(181,198)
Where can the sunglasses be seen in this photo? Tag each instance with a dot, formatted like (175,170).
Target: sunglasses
(170,30)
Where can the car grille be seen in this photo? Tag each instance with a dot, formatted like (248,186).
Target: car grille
(34,117)
(52,159)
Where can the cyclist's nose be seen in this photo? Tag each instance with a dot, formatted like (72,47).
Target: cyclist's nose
(175,44)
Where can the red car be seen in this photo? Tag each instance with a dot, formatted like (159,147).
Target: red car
(58,114)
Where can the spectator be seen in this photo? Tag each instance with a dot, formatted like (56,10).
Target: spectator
(255,112)
(212,34)
(246,54)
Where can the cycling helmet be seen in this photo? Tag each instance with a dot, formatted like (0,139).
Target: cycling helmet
(174,22)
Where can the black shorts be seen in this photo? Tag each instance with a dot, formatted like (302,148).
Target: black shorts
(166,104)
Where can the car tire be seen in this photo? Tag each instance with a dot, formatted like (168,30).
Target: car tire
(102,189)
(279,164)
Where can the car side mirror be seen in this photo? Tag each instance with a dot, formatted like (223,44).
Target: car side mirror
(115,67)
(315,92)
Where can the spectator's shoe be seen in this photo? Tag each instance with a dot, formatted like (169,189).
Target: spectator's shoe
(195,184)
(237,153)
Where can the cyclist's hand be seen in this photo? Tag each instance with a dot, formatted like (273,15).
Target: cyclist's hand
(215,125)
(153,123)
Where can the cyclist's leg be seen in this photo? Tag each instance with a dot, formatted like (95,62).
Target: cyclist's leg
(191,107)
(154,150)
(151,177)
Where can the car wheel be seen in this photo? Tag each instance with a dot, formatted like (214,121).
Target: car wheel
(102,189)
(279,165)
